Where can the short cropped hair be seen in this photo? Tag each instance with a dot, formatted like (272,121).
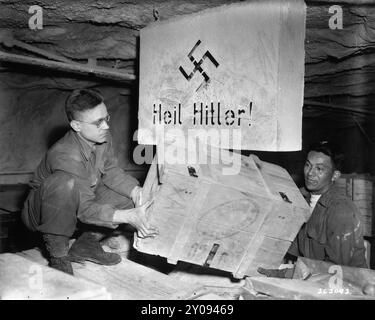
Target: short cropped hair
(81,100)
(329,149)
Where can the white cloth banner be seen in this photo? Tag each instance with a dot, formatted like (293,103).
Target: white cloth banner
(234,73)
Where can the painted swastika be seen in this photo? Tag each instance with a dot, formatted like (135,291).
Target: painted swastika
(198,65)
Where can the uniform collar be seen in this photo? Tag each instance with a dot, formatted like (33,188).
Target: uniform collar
(83,145)
(325,198)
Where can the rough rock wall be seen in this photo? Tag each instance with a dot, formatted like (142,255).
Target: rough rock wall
(32,118)
(339,67)
(339,63)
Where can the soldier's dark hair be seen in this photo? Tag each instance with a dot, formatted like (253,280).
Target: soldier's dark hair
(330,149)
(81,100)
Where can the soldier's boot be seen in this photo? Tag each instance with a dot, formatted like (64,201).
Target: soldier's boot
(87,247)
(57,247)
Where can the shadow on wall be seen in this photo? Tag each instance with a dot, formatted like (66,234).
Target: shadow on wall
(56,134)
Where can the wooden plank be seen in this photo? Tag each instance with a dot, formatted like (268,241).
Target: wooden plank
(15,178)
(364,204)
(314,279)
(21,279)
(127,280)
(101,72)
(298,289)
(214,293)
(13,196)
(356,278)
(9,41)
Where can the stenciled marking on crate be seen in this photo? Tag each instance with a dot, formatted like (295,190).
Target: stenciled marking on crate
(229,218)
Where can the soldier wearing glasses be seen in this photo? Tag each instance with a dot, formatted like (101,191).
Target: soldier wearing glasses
(78,180)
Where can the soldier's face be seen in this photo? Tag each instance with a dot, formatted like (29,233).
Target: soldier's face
(93,124)
(319,172)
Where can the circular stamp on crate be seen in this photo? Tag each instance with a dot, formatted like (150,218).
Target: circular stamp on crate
(227,219)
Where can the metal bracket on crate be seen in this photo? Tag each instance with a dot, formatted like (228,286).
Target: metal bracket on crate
(192,172)
(285,197)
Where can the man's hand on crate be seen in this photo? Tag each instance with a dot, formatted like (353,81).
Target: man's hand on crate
(284,272)
(136,196)
(137,217)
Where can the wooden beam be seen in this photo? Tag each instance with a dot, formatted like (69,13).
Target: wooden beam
(97,71)
(9,41)
(15,177)
(329,106)
(23,177)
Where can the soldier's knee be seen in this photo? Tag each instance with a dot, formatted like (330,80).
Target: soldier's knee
(60,182)
(70,184)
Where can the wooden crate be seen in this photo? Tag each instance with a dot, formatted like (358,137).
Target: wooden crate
(234,223)
(359,188)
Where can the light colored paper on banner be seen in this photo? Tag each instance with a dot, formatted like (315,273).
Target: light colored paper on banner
(237,70)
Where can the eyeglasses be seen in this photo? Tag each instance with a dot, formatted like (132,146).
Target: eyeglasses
(98,123)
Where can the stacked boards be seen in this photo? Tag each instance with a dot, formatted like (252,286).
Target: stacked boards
(359,188)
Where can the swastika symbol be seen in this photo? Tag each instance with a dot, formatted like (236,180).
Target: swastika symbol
(198,66)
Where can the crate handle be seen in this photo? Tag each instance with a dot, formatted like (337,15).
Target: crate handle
(211,255)
(192,172)
(285,197)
